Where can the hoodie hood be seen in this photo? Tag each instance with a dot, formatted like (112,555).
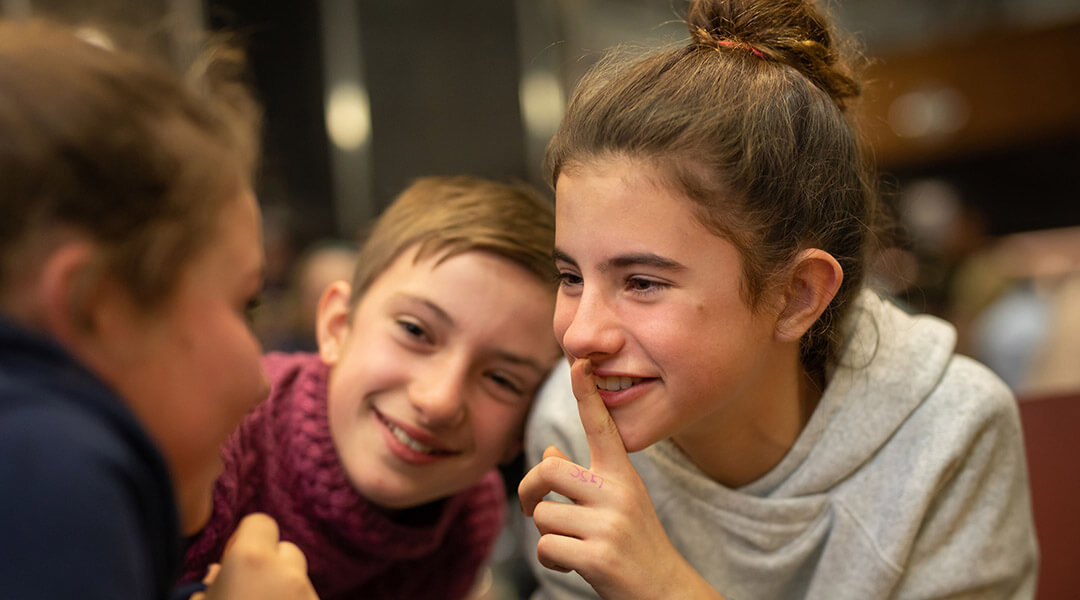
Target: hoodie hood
(878,382)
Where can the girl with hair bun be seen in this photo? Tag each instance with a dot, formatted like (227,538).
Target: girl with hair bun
(740,415)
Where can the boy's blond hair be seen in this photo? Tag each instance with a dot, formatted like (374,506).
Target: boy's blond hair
(452,215)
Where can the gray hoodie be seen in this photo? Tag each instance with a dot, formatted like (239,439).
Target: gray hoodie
(909,481)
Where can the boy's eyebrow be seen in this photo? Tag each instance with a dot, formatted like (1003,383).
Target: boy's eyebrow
(540,369)
(647,259)
(441,314)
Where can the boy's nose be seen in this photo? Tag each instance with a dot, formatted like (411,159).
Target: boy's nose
(438,395)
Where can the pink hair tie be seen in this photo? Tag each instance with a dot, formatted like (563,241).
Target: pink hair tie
(731,44)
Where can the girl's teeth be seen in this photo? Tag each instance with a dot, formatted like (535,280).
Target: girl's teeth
(614,384)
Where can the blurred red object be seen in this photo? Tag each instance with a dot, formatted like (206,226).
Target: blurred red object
(1052,437)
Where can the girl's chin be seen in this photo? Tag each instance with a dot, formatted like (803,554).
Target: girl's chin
(195,513)
(195,502)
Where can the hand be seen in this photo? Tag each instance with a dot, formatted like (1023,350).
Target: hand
(256,565)
(610,534)
(211,575)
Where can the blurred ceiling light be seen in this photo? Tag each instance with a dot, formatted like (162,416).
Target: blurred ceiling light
(542,103)
(930,209)
(928,113)
(348,116)
(95,37)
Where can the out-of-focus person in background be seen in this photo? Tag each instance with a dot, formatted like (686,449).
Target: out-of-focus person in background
(1019,297)
(130,251)
(287,323)
(742,416)
(378,454)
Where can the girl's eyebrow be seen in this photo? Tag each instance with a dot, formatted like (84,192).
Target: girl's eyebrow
(647,259)
(561,256)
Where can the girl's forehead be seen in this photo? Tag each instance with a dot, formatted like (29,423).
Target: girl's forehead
(620,195)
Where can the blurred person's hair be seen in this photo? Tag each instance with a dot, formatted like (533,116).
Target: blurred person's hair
(111,146)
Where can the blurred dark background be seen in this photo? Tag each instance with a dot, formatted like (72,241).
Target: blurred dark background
(972,112)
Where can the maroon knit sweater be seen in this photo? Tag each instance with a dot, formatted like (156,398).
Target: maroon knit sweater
(281,461)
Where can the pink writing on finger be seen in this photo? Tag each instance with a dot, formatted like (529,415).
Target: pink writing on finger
(587,477)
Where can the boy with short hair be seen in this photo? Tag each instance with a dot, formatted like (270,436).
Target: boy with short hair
(377,456)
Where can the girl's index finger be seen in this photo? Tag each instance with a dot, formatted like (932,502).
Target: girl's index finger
(606,449)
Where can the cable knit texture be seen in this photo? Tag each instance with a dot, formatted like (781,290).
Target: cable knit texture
(281,461)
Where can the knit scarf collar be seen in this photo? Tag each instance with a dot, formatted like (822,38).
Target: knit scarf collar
(347,539)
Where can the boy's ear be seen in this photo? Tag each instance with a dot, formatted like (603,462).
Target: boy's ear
(332,321)
(512,451)
(814,280)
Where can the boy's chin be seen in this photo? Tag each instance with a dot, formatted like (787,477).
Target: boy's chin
(393,501)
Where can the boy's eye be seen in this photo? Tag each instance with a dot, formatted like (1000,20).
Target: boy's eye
(506,383)
(413,329)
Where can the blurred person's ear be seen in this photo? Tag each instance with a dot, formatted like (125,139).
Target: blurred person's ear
(332,321)
(91,314)
(63,299)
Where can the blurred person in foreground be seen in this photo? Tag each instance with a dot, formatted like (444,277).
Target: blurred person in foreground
(130,251)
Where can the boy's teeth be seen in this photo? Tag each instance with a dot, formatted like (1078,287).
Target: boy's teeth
(614,384)
(408,441)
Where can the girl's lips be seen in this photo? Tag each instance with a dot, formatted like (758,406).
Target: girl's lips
(625,389)
(614,383)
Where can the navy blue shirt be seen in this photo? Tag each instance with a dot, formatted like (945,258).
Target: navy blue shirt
(86,504)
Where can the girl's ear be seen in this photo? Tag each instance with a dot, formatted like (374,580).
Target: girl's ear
(332,321)
(87,311)
(815,278)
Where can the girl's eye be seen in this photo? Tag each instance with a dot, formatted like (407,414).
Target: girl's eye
(568,279)
(250,307)
(641,285)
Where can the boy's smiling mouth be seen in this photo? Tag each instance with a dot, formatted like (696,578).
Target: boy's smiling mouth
(403,436)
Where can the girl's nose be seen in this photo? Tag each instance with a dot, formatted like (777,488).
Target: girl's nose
(588,325)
